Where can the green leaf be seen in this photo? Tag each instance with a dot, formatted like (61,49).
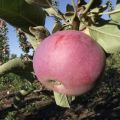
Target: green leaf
(63,100)
(116,16)
(20,14)
(39,33)
(108,36)
(69,16)
(50,6)
(42,3)
(54,12)
(69,8)
(33,41)
(51,11)
(57,27)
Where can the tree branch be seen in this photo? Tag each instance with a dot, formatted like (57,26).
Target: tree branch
(105,13)
(88,6)
(19,67)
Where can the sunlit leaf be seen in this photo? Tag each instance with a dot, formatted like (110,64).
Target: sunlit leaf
(116,16)
(108,36)
(63,100)
(39,33)
(33,41)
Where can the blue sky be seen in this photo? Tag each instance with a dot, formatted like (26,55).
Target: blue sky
(13,40)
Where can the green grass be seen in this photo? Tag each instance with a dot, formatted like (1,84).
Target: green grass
(14,82)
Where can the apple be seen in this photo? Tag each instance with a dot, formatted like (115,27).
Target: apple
(69,62)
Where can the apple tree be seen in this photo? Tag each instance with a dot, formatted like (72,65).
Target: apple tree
(4,47)
(29,16)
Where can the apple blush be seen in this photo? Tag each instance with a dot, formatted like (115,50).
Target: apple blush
(69,62)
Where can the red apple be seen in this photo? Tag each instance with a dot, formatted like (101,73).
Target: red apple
(69,62)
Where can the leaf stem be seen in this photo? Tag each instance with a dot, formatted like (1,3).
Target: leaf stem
(88,6)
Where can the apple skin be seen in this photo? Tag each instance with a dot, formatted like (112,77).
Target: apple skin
(69,62)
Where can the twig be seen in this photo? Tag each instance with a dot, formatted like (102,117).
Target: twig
(74,5)
(106,13)
(88,6)
(111,12)
(8,96)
